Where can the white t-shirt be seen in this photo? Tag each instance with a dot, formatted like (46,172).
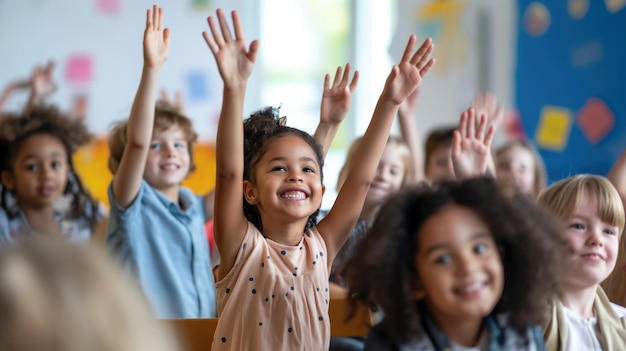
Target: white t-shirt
(584,334)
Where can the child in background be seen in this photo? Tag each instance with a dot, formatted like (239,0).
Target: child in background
(520,166)
(456,266)
(582,318)
(273,275)
(55,296)
(37,171)
(157,227)
(437,158)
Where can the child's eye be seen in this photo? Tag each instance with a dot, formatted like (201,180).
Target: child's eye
(155,146)
(55,164)
(480,248)
(393,171)
(609,231)
(278,169)
(179,145)
(31,167)
(577,226)
(308,170)
(444,259)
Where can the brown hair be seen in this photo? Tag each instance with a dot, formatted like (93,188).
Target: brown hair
(165,117)
(60,296)
(539,172)
(405,156)
(436,139)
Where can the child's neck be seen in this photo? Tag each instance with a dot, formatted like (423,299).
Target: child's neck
(461,331)
(284,233)
(579,300)
(40,219)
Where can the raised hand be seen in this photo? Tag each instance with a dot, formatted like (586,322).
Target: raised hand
(178,104)
(337,96)
(487,104)
(235,60)
(471,145)
(156,40)
(407,75)
(41,82)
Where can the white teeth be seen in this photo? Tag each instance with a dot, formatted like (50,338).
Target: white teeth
(170,167)
(471,288)
(294,195)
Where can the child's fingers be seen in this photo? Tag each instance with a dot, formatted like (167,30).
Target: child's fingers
(214,48)
(355,81)
(160,19)
(456,142)
(421,56)
(326,81)
(406,56)
(237,25)
(224,26)
(148,19)
(155,19)
(491,131)
(217,38)
(252,51)
(463,124)
(482,126)
(427,68)
(337,76)
(346,75)
(166,36)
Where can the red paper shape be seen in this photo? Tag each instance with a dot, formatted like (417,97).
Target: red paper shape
(595,119)
(79,69)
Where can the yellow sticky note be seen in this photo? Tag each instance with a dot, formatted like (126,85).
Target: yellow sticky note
(554,128)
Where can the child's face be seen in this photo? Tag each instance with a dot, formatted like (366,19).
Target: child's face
(40,171)
(517,165)
(439,165)
(593,247)
(168,159)
(288,182)
(389,175)
(459,265)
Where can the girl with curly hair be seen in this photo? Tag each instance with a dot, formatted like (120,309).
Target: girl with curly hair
(454,266)
(272,282)
(37,171)
(582,317)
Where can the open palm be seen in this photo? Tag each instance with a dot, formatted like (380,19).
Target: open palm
(407,75)
(471,146)
(336,97)
(156,44)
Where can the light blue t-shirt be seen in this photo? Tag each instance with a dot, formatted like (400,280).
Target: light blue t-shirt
(16,226)
(166,248)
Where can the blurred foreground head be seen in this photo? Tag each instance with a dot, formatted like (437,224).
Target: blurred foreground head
(59,296)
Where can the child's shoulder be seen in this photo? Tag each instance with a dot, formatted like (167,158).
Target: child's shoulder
(620,310)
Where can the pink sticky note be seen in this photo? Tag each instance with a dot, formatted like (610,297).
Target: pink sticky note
(78,69)
(108,6)
(595,120)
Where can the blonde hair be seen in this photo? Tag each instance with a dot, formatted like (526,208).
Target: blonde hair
(403,149)
(565,197)
(59,296)
(539,172)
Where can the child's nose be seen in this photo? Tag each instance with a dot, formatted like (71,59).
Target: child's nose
(294,176)
(595,237)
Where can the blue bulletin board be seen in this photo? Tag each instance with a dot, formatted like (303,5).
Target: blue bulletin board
(571,82)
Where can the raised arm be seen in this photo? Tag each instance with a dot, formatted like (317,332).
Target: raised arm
(10,89)
(410,135)
(127,179)
(235,62)
(401,82)
(41,84)
(486,103)
(335,105)
(471,145)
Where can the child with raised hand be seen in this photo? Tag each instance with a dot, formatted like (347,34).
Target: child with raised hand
(273,277)
(582,317)
(456,266)
(471,145)
(37,171)
(156,226)
(519,166)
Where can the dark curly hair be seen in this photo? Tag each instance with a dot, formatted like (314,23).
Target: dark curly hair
(47,119)
(382,271)
(259,130)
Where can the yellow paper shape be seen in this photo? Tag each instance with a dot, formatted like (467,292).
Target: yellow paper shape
(554,128)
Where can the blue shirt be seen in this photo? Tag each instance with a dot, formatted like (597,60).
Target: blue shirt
(166,248)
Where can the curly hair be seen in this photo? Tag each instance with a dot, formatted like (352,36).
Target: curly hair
(47,119)
(165,116)
(382,271)
(259,130)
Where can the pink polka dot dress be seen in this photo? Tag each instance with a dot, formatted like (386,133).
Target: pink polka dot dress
(275,297)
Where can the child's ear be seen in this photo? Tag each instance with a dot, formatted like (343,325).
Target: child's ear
(323,189)
(7,180)
(249,192)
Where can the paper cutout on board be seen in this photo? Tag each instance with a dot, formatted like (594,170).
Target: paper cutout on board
(536,19)
(588,54)
(577,9)
(78,69)
(595,120)
(109,6)
(554,128)
(513,126)
(614,6)
(197,86)
(201,4)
